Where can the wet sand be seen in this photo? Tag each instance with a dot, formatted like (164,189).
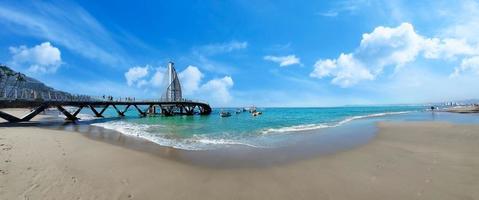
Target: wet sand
(406,160)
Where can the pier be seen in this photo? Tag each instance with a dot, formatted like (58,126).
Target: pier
(144,108)
(171,102)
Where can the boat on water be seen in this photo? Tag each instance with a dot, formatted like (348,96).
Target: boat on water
(256,113)
(225,114)
(238,111)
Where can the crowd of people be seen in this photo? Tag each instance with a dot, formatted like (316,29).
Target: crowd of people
(111,98)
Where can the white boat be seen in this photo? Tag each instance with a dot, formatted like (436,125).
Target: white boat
(225,114)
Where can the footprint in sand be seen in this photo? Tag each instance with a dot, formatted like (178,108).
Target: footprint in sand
(125,181)
(3,172)
(6,147)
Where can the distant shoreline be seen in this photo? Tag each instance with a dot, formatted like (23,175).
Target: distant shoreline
(463,109)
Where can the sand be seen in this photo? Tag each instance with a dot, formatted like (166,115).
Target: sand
(412,160)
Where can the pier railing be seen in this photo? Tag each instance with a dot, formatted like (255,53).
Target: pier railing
(49,96)
(99,105)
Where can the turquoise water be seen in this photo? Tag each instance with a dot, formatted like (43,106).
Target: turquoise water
(274,128)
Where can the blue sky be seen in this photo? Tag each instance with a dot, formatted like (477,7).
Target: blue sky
(236,53)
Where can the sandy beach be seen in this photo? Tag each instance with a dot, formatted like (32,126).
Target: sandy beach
(407,160)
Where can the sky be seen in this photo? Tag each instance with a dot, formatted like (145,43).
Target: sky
(239,53)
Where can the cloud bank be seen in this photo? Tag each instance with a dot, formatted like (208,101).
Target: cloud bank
(392,47)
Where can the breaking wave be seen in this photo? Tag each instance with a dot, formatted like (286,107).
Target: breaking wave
(309,127)
(208,142)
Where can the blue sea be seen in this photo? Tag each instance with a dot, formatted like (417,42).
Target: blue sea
(276,127)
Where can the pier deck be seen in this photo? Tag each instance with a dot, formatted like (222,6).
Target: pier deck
(98,107)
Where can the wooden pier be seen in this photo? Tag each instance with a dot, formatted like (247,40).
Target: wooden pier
(98,107)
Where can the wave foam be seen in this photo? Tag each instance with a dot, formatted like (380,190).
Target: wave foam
(308,127)
(202,142)
(194,143)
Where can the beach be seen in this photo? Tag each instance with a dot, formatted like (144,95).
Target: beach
(405,160)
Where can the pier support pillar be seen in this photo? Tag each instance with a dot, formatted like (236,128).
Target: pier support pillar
(120,113)
(8,117)
(34,113)
(97,114)
(103,110)
(67,114)
(189,110)
(142,113)
(167,110)
(27,117)
(152,110)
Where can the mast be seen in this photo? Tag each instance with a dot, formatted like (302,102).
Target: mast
(170,81)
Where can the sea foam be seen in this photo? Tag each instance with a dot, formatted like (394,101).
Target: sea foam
(208,142)
(309,127)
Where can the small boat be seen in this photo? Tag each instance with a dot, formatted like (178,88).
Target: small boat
(252,109)
(225,114)
(238,111)
(256,113)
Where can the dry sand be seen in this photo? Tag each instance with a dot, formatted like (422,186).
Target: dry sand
(414,160)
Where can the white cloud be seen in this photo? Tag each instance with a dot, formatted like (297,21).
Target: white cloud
(215,91)
(213,49)
(346,70)
(467,65)
(447,48)
(464,20)
(389,46)
(190,79)
(345,6)
(158,78)
(284,60)
(329,13)
(42,58)
(385,47)
(136,74)
(65,24)
(219,90)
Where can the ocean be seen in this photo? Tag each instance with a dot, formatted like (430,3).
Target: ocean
(275,128)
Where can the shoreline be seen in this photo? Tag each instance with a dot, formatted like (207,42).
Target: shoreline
(406,160)
(319,142)
(463,109)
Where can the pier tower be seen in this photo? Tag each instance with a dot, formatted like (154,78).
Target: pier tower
(173,86)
